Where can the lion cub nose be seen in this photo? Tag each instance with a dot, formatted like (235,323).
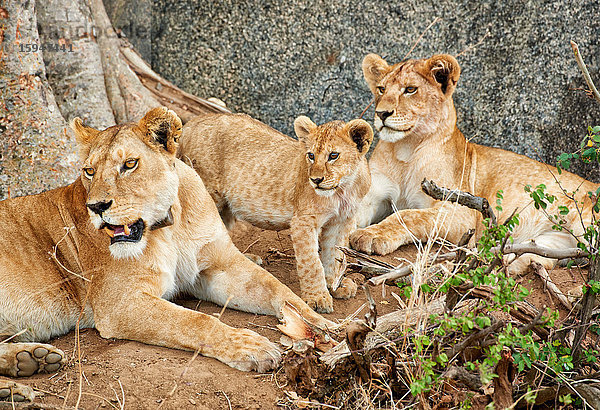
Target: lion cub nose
(99,207)
(383,114)
(317,181)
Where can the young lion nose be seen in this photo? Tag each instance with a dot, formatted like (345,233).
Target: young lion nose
(383,114)
(99,207)
(317,181)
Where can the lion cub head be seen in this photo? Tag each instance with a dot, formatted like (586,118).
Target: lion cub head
(333,151)
(129,174)
(412,98)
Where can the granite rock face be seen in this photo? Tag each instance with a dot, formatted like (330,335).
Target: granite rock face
(276,60)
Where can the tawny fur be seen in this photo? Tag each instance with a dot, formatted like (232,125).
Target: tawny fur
(416,120)
(256,174)
(56,266)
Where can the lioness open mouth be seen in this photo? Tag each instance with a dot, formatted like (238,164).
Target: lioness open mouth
(124,233)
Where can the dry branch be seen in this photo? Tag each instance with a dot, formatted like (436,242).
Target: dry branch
(551,286)
(531,247)
(463,198)
(584,70)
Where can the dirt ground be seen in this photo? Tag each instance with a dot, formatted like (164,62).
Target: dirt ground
(132,375)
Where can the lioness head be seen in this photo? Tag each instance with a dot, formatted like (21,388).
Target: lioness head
(333,151)
(412,98)
(129,174)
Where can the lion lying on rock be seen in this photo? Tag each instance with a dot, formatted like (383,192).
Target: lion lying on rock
(135,229)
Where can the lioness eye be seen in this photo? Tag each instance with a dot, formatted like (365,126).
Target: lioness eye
(311,156)
(89,172)
(410,90)
(333,156)
(130,164)
(381,89)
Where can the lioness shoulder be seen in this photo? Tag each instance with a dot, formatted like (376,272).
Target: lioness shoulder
(312,185)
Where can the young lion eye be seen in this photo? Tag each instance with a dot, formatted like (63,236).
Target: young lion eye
(89,172)
(130,164)
(410,90)
(333,156)
(311,156)
(381,90)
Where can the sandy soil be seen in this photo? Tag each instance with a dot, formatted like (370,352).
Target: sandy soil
(137,376)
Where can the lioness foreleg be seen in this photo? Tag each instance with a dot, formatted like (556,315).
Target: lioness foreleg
(447,221)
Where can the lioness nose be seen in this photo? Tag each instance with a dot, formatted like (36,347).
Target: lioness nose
(99,207)
(383,114)
(317,181)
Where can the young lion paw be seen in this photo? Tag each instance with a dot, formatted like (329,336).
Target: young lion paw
(248,351)
(25,359)
(319,302)
(370,240)
(346,290)
(11,391)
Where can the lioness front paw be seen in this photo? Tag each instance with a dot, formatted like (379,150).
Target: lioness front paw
(371,240)
(319,302)
(25,359)
(346,290)
(11,391)
(248,351)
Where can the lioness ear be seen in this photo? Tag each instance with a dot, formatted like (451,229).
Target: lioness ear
(361,133)
(445,70)
(374,68)
(161,127)
(303,126)
(84,136)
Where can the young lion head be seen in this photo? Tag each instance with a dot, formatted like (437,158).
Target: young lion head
(129,174)
(333,151)
(412,98)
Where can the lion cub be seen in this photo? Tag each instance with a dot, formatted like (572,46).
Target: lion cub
(313,186)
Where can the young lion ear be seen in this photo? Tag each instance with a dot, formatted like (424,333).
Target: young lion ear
(303,126)
(361,133)
(161,127)
(445,70)
(374,68)
(84,136)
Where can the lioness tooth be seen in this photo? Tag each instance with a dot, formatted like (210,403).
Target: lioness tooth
(109,232)
(126,229)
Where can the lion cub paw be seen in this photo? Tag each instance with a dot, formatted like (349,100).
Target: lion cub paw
(248,351)
(17,392)
(346,290)
(25,359)
(370,240)
(319,302)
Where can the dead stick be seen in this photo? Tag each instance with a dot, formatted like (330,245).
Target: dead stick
(584,70)
(397,273)
(531,247)
(556,292)
(463,198)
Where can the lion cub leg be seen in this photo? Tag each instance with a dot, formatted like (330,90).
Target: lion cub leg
(25,359)
(15,392)
(313,286)
(336,234)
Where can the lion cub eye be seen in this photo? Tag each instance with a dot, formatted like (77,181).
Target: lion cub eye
(89,172)
(333,156)
(311,156)
(381,90)
(410,90)
(130,164)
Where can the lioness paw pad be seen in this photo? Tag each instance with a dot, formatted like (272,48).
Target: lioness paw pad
(26,359)
(249,351)
(11,391)
(346,290)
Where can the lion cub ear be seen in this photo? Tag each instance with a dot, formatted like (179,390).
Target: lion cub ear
(374,68)
(361,133)
(161,127)
(84,135)
(445,70)
(303,126)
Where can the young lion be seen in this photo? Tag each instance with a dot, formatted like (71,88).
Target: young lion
(313,186)
(137,227)
(416,120)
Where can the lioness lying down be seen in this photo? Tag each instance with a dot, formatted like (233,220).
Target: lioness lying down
(136,228)
(416,120)
(312,186)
